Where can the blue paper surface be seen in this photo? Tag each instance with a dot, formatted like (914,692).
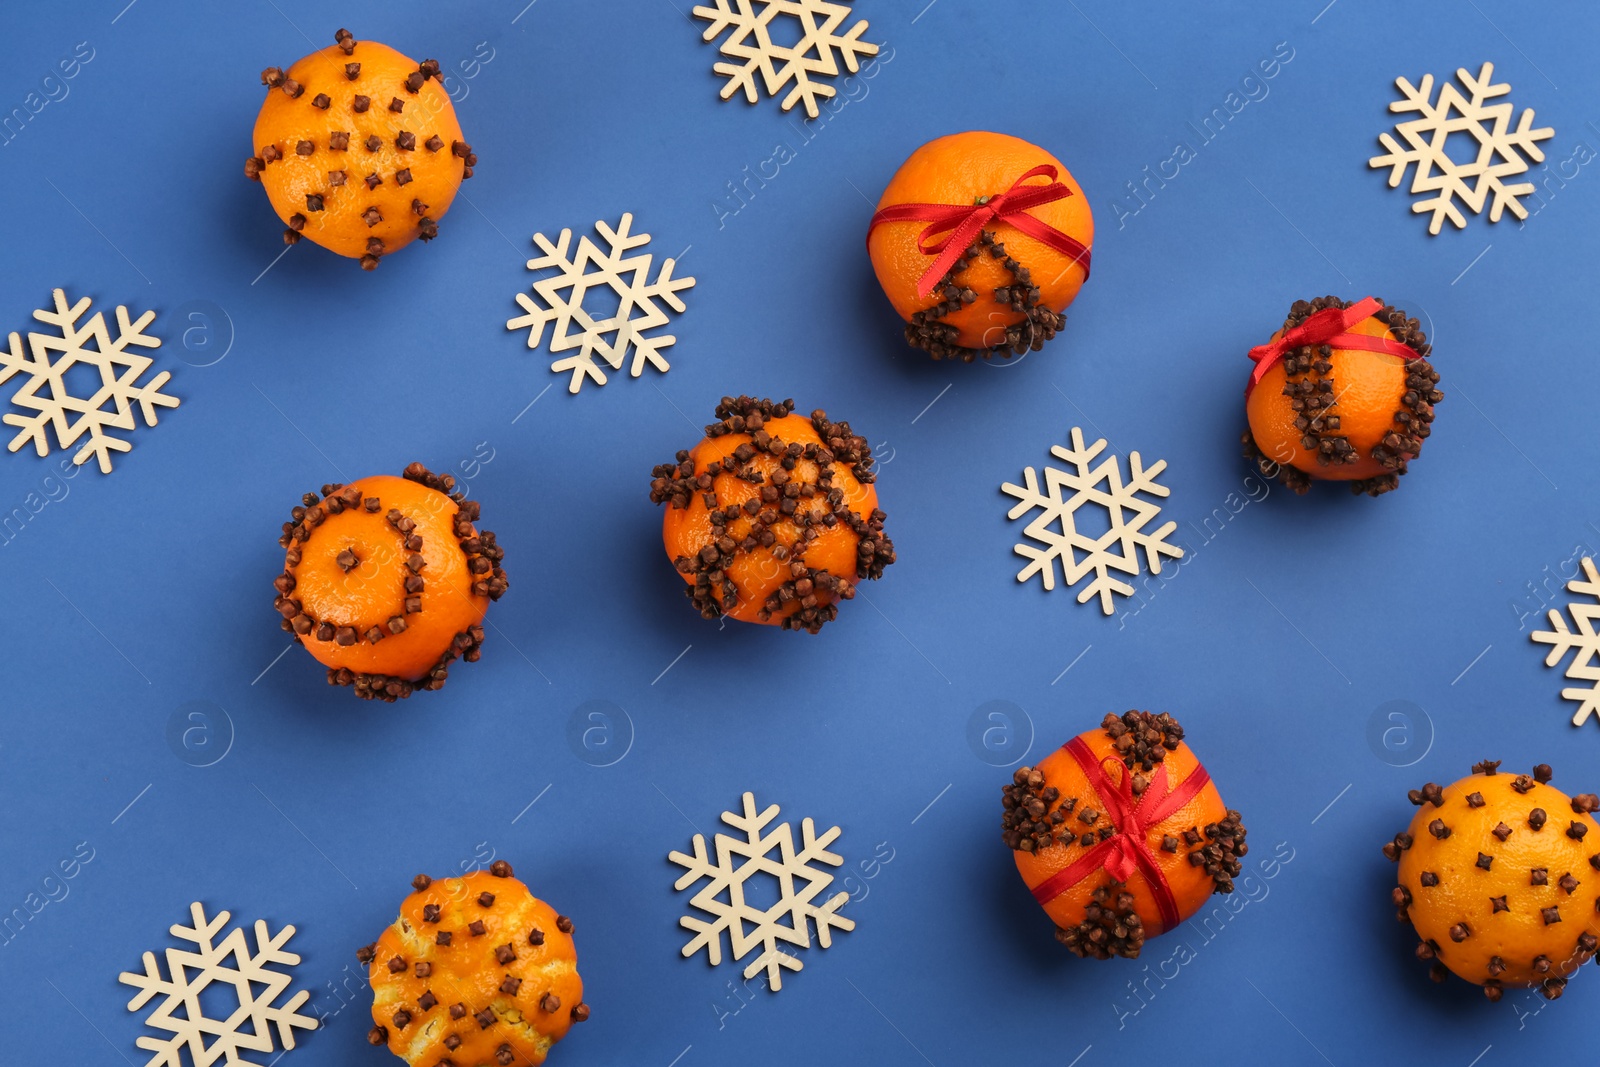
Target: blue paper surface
(1293,633)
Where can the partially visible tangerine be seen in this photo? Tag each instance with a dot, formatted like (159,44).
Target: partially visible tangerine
(359,149)
(773,518)
(1343,414)
(1007,294)
(386,581)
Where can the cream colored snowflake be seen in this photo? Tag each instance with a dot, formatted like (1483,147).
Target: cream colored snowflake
(254,982)
(1502,151)
(50,402)
(560,299)
(1057,500)
(1581,640)
(759,852)
(754,28)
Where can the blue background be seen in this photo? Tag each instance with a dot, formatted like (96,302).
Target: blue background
(140,598)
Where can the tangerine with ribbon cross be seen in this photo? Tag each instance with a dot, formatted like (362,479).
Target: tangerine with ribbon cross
(1342,392)
(980,241)
(1121,834)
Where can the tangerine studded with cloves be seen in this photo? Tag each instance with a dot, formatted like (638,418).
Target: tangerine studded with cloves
(475,971)
(1129,795)
(1499,874)
(386,581)
(359,149)
(1006,292)
(773,518)
(1343,414)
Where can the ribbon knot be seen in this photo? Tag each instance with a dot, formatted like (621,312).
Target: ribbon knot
(1330,326)
(960,224)
(1122,859)
(1127,850)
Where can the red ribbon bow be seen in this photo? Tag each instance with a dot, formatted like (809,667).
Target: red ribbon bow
(1128,849)
(1330,326)
(961,224)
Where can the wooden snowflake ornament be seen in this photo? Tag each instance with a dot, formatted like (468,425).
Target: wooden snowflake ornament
(256,985)
(1582,640)
(48,399)
(761,851)
(1502,151)
(560,303)
(749,44)
(1057,499)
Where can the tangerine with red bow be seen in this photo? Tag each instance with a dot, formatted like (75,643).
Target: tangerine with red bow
(980,241)
(1121,834)
(1342,392)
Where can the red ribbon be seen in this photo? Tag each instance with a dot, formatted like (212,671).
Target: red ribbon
(962,223)
(1128,849)
(1330,326)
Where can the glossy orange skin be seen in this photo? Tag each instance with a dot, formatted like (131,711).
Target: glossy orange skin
(374,590)
(1464,892)
(467,972)
(955,170)
(757,573)
(1369,387)
(1191,886)
(285,121)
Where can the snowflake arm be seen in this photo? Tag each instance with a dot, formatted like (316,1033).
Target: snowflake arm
(1398,159)
(1525,138)
(631,331)
(722,18)
(13,362)
(774,961)
(1588,699)
(814,850)
(283,1017)
(1581,640)
(1041,560)
(537,317)
(708,935)
(621,240)
(1104,585)
(1562,639)
(1155,545)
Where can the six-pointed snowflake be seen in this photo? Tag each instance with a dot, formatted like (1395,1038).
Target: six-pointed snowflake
(254,982)
(610,338)
(1501,150)
(751,26)
(1582,641)
(1063,492)
(761,852)
(48,398)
